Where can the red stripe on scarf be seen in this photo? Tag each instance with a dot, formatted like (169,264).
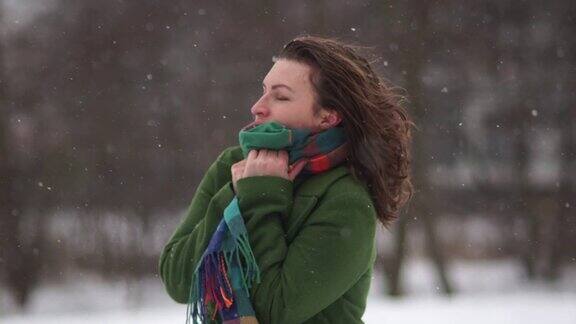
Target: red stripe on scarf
(319,164)
(227,299)
(324,162)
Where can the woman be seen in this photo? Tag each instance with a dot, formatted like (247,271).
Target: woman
(326,157)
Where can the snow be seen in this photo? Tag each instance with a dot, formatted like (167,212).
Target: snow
(487,292)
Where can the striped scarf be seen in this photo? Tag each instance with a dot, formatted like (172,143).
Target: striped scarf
(228,268)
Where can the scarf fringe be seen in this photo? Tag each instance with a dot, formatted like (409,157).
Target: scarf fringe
(211,282)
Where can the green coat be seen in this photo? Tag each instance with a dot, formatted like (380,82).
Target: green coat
(313,240)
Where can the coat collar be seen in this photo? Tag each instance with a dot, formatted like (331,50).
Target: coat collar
(316,185)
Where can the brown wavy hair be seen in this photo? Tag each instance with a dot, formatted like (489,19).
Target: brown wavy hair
(377,125)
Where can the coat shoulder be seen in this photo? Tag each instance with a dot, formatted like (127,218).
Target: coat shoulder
(350,194)
(349,184)
(230,155)
(338,188)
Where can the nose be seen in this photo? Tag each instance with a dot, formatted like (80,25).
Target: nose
(260,108)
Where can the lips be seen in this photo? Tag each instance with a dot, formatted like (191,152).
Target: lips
(252,125)
(257,122)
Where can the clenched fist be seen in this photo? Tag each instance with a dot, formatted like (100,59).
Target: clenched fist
(266,162)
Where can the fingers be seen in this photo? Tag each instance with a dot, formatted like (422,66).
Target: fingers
(267,153)
(241,162)
(283,155)
(253,154)
(296,168)
(267,162)
(238,166)
(263,153)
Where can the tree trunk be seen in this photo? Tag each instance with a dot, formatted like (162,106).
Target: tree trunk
(395,268)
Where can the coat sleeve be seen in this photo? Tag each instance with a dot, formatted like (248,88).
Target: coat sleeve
(184,249)
(326,258)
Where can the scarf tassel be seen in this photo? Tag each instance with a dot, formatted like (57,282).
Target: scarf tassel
(212,282)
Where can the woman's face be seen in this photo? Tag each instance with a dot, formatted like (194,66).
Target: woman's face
(288,98)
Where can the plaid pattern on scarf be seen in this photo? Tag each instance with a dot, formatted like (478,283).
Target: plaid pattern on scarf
(324,150)
(228,268)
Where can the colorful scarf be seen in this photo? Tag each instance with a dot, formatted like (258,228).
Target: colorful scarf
(227,269)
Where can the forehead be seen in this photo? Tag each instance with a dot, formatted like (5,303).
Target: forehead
(291,73)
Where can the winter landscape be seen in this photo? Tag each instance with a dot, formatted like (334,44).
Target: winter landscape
(112,111)
(488,292)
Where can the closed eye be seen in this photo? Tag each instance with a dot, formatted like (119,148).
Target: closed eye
(277,97)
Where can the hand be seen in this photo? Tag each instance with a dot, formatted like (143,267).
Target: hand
(266,162)
(237,171)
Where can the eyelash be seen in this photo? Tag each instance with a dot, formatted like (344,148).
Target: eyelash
(280,98)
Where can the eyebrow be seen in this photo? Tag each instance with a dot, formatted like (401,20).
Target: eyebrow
(279,86)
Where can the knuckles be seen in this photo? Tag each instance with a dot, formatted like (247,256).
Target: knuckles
(262,163)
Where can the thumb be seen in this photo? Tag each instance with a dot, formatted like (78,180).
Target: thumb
(297,167)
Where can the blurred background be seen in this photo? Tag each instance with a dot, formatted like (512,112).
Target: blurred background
(111,111)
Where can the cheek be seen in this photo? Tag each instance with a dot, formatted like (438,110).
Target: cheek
(302,106)
(302,115)
(298,112)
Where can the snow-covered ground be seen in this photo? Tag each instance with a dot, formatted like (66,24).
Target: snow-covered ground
(491,292)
